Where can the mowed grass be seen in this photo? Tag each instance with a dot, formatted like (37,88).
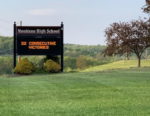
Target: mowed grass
(123,64)
(108,93)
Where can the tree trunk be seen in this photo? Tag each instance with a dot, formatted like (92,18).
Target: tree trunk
(127,55)
(139,61)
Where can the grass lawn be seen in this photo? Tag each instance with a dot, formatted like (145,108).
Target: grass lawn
(107,93)
(123,64)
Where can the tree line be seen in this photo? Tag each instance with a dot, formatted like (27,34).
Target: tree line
(75,56)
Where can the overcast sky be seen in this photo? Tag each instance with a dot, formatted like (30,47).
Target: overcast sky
(84,20)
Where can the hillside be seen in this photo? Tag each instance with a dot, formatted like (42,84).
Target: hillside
(123,64)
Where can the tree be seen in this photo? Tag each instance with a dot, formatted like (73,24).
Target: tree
(133,37)
(146,7)
(82,62)
(114,36)
(70,62)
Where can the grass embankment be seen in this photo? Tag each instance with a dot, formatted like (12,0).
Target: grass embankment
(111,93)
(123,64)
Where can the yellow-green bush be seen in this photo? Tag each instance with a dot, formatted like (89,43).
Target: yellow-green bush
(51,66)
(24,67)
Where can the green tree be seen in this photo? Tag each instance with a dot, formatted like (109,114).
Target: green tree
(85,62)
(70,62)
(81,62)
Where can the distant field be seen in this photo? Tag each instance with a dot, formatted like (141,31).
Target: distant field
(107,93)
(123,64)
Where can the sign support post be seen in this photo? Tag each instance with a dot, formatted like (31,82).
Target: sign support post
(14,57)
(19,56)
(62,45)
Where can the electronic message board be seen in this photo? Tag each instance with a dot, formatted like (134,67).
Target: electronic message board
(38,40)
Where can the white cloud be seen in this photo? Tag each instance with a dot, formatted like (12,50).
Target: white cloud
(42,12)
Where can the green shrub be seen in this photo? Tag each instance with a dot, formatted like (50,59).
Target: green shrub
(24,67)
(51,66)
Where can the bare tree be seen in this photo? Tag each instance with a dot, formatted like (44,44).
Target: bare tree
(123,38)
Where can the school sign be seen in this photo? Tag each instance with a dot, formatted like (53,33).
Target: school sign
(38,40)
